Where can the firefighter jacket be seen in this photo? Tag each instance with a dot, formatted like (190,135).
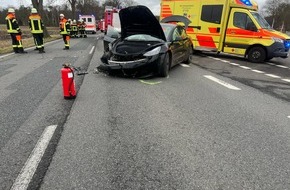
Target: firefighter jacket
(74,27)
(35,24)
(12,24)
(64,26)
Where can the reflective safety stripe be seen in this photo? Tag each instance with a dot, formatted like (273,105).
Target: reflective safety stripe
(36,25)
(10,28)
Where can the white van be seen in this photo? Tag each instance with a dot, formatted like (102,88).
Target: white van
(90,21)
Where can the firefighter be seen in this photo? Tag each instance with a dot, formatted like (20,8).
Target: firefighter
(74,29)
(64,27)
(14,31)
(83,29)
(36,27)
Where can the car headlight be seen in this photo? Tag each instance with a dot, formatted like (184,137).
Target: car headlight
(277,40)
(153,52)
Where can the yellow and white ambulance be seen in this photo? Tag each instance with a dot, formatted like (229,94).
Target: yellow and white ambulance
(229,26)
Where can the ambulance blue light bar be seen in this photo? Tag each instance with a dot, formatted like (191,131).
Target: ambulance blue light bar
(246,2)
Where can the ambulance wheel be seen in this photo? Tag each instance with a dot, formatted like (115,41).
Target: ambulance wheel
(163,67)
(257,54)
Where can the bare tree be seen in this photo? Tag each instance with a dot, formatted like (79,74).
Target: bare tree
(127,3)
(73,4)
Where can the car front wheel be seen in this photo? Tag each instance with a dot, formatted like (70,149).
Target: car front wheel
(163,67)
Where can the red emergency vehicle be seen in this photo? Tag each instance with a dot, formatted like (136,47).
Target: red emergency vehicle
(111,17)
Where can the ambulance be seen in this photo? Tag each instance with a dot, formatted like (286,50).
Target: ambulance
(229,26)
(90,20)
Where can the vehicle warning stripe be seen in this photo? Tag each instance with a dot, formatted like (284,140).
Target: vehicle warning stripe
(206,41)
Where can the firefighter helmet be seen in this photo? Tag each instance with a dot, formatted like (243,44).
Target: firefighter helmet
(33,10)
(61,15)
(11,10)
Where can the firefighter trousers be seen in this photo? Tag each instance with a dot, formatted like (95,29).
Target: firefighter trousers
(66,39)
(17,43)
(38,40)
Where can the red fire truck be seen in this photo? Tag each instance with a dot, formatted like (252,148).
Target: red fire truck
(111,17)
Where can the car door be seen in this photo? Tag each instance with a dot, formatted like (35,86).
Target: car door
(176,46)
(186,43)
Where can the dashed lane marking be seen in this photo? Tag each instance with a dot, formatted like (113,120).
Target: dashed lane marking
(286,80)
(282,66)
(244,67)
(289,116)
(223,83)
(257,71)
(235,64)
(184,65)
(92,50)
(150,83)
(272,64)
(273,76)
(27,172)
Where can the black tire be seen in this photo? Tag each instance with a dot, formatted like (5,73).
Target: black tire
(163,67)
(257,55)
(190,52)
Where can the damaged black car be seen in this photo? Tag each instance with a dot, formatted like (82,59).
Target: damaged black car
(145,45)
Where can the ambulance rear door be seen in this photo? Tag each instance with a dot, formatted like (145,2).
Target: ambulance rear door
(210,26)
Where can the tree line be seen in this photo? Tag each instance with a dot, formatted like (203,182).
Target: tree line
(70,8)
(276,12)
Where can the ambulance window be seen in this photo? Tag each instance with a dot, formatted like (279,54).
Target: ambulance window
(89,19)
(212,13)
(242,20)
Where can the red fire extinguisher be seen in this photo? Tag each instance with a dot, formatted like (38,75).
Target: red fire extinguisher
(68,84)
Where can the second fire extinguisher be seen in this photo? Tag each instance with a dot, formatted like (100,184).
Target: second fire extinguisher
(68,84)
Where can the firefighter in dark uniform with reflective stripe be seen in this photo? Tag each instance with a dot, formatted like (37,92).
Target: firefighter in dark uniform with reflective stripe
(74,29)
(64,27)
(36,27)
(14,31)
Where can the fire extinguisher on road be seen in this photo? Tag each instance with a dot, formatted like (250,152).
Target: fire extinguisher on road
(68,84)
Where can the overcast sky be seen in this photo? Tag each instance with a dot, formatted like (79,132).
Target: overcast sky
(154,5)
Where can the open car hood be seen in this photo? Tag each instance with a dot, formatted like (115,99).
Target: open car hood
(176,18)
(139,20)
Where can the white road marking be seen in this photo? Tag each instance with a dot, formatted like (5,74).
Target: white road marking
(225,61)
(271,64)
(286,80)
(92,50)
(235,64)
(289,116)
(27,172)
(273,76)
(221,82)
(282,66)
(257,71)
(217,59)
(184,65)
(244,67)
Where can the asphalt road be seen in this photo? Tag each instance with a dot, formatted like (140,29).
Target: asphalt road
(221,123)
(31,99)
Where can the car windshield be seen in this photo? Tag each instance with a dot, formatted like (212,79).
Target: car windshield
(262,22)
(142,37)
(166,30)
